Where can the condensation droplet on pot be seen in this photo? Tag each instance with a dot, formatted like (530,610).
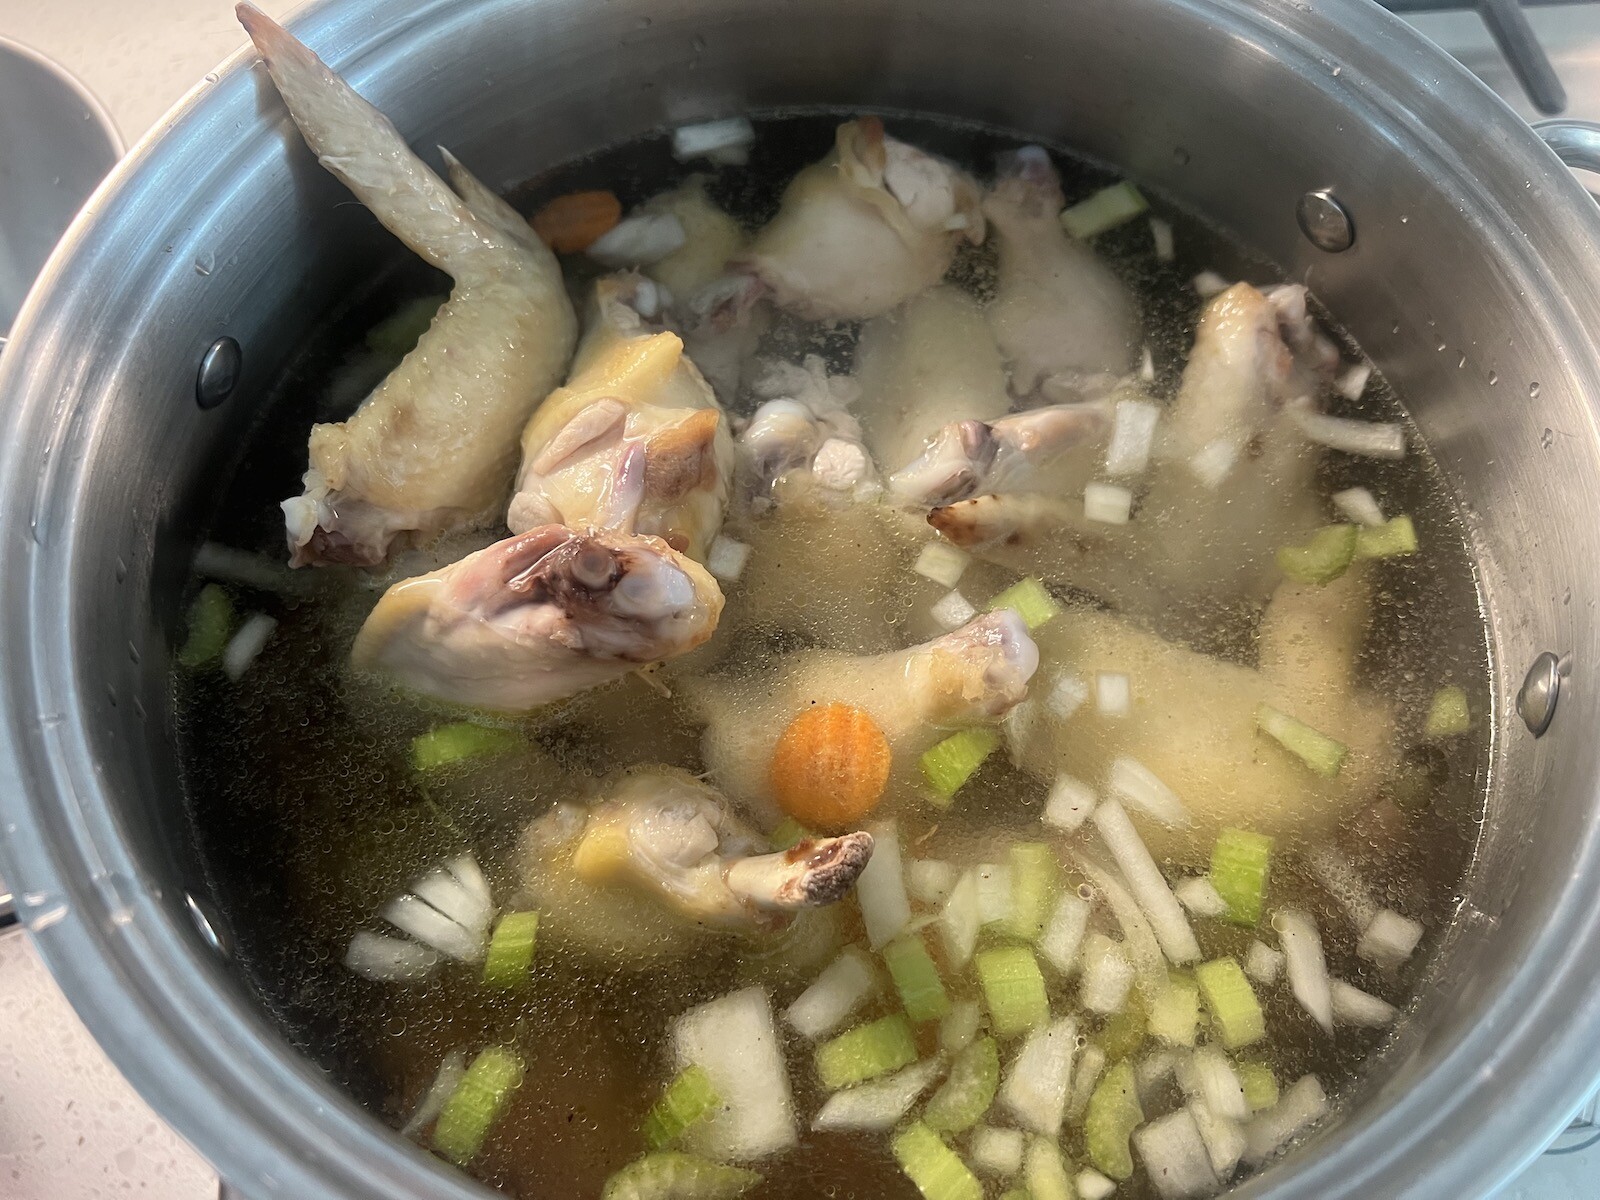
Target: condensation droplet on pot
(138,708)
(1181,156)
(111,695)
(1494,378)
(1533,390)
(1462,363)
(1404,220)
(644,22)
(133,653)
(1441,347)
(1395,328)
(699,43)
(1547,438)
(203,263)
(211,76)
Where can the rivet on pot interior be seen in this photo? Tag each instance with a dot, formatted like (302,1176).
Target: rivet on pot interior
(210,931)
(219,372)
(1541,688)
(1325,221)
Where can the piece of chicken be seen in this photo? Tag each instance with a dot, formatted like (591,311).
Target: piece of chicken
(803,440)
(1067,326)
(433,447)
(633,401)
(657,857)
(538,617)
(865,229)
(972,676)
(1193,718)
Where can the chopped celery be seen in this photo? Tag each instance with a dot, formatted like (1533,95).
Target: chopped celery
(1106,209)
(1125,1032)
(1110,1119)
(916,978)
(1394,537)
(1239,865)
(936,1169)
(1448,715)
(1235,1011)
(952,762)
(210,620)
(789,834)
(1317,750)
(510,953)
(460,740)
(1034,879)
(1176,1012)
(1014,989)
(669,1175)
(1029,600)
(689,1098)
(866,1052)
(964,1097)
(397,334)
(1045,1169)
(476,1104)
(1324,556)
(1260,1085)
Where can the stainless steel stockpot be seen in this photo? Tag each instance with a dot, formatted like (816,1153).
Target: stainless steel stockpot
(1472,281)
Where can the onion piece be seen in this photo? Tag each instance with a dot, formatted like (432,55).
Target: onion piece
(881,890)
(959,1027)
(1200,896)
(1161,238)
(1307,968)
(1296,1109)
(726,559)
(1147,366)
(1167,920)
(1352,1006)
(444,1083)
(943,563)
(1140,788)
(639,241)
(1035,1088)
(835,993)
(996,1152)
(1106,976)
(1069,804)
(929,881)
(1133,432)
(1092,1185)
(961,918)
(389,959)
(1066,695)
(470,876)
(1063,934)
(1091,1064)
(1175,1157)
(1389,940)
(445,892)
(878,1104)
(1113,693)
(994,893)
(733,1040)
(1353,381)
(1138,940)
(1341,881)
(1107,503)
(1214,461)
(1262,963)
(1208,1077)
(1223,1138)
(714,139)
(415,916)
(216,561)
(1209,283)
(1369,439)
(247,644)
(952,611)
(1359,505)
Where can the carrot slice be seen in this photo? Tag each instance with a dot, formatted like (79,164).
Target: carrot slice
(577,220)
(830,767)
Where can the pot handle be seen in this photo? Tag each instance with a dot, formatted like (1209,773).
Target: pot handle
(8,906)
(1576,143)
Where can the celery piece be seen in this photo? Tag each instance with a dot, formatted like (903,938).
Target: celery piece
(1235,1011)
(396,335)
(1175,1014)
(1014,989)
(1110,1119)
(1125,1032)
(210,622)
(1323,557)
(936,1169)
(1106,209)
(689,1098)
(966,1095)
(476,1104)
(1317,750)
(1239,869)
(948,765)
(1034,882)
(510,954)
(1394,537)
(1044,1170)
(1029,600)
(788,834)
(1260,1085)
(460,740)
(1448,715)
(669,1175)
(866,1052)
(916,978)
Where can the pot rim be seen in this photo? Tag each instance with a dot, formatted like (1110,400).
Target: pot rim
(230,1084)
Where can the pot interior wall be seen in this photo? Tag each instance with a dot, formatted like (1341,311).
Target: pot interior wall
(1234,121)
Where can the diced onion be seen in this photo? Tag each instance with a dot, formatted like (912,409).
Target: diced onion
(952,611)
(1341,881)
(445,892)
(1145,880)
(1161,237)
(1137,786)
(1370,439)
(1200,896)
(1066,695)
(960,1026)
(710,138)
(1215,461)
(428,925)
(929,881)
(1353,381)
(1352,1006)
(1209,283)
(726,559)
(881,890)
(733,1040)
(1262,963)
(1151,1073)
(1069,804)
(1107,503)
(1147,366)
(1138,940)
(1090,1064)
(1106,975)
(470,876)
(994,892)
(836,993)
(879,1104)
(1389,940)
(1063,932)
(1175,1157)
(1035,1088)
(444,1083)
(246,645)
(389,959)
(942,563)
(1092,1185)
(962,917)
(216,561)
(1209,1077)
(996,1152)
(1307,968)
(1359,505)
(1223,1138)
(1295,1110)
(1113,693)
(1133,432)
(639,241)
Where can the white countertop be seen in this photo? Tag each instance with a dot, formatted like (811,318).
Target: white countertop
(70,1127)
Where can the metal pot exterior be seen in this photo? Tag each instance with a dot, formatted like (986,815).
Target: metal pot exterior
(1472,283)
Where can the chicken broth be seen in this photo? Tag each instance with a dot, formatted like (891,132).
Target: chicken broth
(1164,650)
